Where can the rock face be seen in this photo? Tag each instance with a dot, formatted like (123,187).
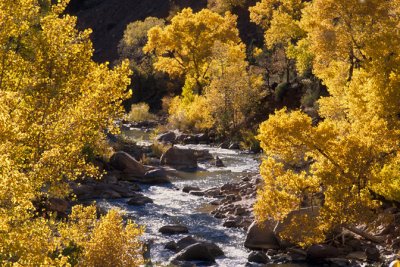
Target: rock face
(181,159)
(174,229)
(261,237)
(139,200)
(129,166)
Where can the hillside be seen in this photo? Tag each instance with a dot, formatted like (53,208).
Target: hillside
(108,19)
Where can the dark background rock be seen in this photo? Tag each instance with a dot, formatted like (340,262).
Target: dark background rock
(174,229)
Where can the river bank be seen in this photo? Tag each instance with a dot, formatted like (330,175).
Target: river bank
(210,205)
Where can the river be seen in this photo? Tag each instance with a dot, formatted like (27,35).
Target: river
(172,206)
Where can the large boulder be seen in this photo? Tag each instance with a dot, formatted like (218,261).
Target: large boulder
(156,176)
(197,252)
(104,190)
(174,229)
(261,237)
(188,241)
(203,155)
(185,242)
(128,165)
(181,159)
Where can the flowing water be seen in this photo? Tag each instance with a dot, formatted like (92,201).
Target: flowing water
(172,206)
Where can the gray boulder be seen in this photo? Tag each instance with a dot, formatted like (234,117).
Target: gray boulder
(181,159)
(128,165)
(185,242)
(261,237)
(203,155)
(174,229)
(195,252)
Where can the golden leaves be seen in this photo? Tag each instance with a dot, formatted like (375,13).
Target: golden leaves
(353,153)
(55,103)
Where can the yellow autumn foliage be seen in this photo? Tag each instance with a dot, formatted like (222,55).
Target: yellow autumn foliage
(280,20)
(55,103)
(184,48)
(350,159)
(233,93)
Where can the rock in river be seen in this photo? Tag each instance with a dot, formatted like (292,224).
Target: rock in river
(168,137)
(189,188)
(258,257)
(199,252)
(181,159)
(139,200)
(129,166)
(261,237)
(174,229)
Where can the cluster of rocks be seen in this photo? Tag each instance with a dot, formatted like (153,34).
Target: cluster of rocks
(124,174)
(233,201)
(176,137)
(189,249)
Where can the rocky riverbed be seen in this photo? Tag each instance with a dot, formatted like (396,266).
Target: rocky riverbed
(196,203)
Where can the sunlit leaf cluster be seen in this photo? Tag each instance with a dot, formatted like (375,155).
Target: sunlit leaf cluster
(350,159)
(55,104)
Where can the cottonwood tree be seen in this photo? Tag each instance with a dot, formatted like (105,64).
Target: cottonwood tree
(55,103)
(184,48)
(280,21)
(353,154)
(233,94)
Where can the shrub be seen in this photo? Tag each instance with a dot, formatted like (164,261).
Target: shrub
(140,112)
(113,244)
(249,141)
(159,148)
(190,115)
